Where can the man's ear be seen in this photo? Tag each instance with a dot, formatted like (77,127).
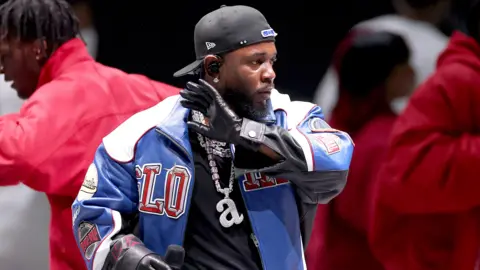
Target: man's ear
(39,49)
(212,64)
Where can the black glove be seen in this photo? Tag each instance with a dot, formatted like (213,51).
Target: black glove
(129,253)
(222,123)
(151,262)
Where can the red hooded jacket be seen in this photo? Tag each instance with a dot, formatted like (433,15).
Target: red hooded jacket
(51,142)
(426,213)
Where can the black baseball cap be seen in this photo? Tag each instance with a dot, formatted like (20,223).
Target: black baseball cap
(227,29)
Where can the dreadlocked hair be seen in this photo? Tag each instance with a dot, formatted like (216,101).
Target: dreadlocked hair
(52,21)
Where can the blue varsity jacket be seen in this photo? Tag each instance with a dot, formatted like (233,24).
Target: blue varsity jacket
(145,166)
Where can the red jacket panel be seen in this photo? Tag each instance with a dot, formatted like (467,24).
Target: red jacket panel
(51,142)
(426,213)
(339,239)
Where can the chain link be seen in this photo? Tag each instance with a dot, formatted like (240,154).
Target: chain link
(213,147)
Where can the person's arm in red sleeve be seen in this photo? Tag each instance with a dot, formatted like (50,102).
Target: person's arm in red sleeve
(433,162)
(162,90)
(29,138)
(19,134)
(165,90)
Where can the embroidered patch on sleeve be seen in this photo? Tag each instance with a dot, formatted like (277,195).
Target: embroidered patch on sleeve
(89,186)
(329,142)
(89,238)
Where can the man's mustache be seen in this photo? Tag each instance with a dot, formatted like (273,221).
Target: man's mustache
(266,88)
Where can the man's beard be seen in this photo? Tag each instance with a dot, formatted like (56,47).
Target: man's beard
(244,106)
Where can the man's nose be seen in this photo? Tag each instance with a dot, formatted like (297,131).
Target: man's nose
(268,73)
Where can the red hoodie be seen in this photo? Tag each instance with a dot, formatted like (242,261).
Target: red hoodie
(339,238)
(51,142)
(426,213)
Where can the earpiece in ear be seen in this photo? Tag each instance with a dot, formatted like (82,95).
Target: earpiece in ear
(213,68)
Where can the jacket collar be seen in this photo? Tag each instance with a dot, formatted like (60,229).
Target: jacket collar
(70,53)
(174,125)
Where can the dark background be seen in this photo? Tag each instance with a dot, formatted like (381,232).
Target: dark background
(155,38)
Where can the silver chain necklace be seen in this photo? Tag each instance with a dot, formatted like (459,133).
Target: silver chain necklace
(231,208)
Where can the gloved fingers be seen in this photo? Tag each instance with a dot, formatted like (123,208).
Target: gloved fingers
(196,97)
(210,90)
(157,264)
(200,128)
(200,89)
(194,106)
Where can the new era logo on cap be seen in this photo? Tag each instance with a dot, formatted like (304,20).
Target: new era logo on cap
(210,45)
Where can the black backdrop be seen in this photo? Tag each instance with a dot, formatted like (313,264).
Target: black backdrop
(155,38)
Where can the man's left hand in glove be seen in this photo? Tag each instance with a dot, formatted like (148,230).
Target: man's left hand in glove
(223,124)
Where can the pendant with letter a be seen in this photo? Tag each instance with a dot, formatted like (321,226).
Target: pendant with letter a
(226,207)
(231,209)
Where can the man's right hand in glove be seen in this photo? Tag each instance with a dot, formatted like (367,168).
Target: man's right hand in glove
(129,253)
(150,262)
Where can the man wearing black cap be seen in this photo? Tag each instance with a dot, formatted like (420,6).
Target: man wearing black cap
(232,170)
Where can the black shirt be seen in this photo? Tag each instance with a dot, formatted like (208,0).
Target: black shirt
(208,245)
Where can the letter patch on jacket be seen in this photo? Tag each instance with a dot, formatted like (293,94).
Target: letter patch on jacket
(329,142)
(89,238)
(176,184)
(255,181)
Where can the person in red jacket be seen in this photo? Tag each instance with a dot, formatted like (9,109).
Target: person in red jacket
(72,103)
(427,206)
(339,239)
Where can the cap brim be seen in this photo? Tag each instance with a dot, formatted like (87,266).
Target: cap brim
(188,69)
